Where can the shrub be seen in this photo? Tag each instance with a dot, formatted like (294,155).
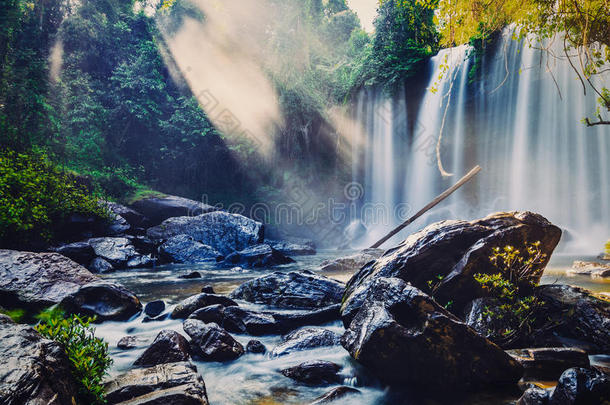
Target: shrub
(36,200)
(88,355)
(607,248)
(514,314)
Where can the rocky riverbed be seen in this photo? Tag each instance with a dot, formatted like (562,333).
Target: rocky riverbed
(339,326)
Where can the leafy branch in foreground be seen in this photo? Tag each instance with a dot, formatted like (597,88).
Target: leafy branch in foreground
(88,354)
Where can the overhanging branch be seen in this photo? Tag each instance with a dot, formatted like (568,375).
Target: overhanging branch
(599,121)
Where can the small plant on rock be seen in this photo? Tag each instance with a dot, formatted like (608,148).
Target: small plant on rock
(514,314)
(88,354)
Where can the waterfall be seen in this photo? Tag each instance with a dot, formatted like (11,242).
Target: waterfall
(520,119)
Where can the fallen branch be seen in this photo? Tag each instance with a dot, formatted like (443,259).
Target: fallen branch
(429,206)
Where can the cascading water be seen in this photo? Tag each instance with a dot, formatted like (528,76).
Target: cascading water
(525,130)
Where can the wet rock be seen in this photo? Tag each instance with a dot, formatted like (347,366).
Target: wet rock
(172,383)
(116,251)
(336,394)
(257,256)
(143,244)
(190,276)
(132,217)
(186,307)
(117,226)
(256,346)
(34,370)
(208,289)
(351,263)
(105,301)
(158,209)
(154,308)
(140,261)
(211,342)
(256,323)
(548,363)
(38,280)
(241,320)
(292,249)
(302,289)
(222,231)
(81,252)
(100,266)
(314,372)
(211,313)
(581,386)
(306,338)
(168,347)
(595,270)
(534,396)
(405,337)
(453,251)
(184,249)
(576,314)
(128,342)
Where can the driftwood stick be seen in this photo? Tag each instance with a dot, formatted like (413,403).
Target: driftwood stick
(430,205)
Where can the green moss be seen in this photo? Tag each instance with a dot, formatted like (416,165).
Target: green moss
(17,314)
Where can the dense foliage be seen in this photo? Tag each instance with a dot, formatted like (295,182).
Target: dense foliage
(37,199)
(88,354)
(405,35)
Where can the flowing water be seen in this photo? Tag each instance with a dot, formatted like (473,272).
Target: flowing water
(521,121)
(254,378)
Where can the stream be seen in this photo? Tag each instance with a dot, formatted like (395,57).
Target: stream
(254,379)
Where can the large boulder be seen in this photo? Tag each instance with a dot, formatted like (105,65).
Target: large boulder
(105,301)
(172,383)
(260,255)
(38,280)
(168,347)
(158,209)
(184,249)
(211,342)
(302,289)
(222,231)
(189,305)
(575,313)
(405,337)
(453,251)
(81,252)
(241,320)
(117,251)
(34,370)
(306,338)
